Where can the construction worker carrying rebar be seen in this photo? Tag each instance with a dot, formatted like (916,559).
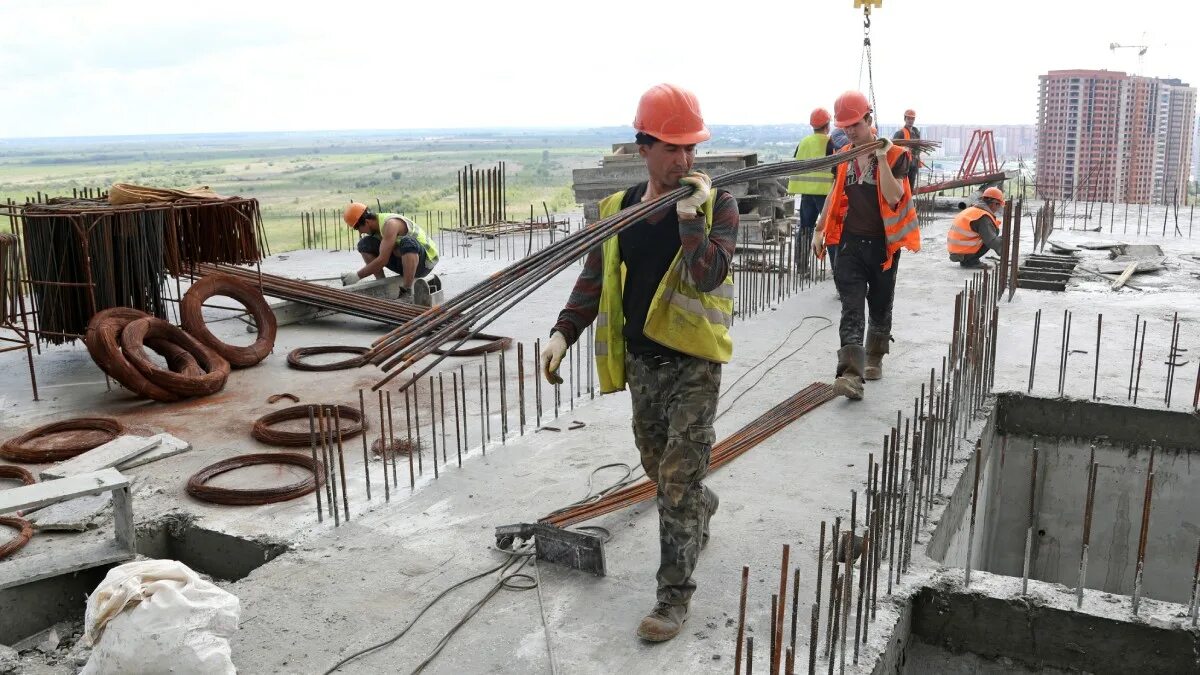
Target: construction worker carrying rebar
(661,293)
(393,242)
(813,186)
(976,229)
(870,216)
(908,132)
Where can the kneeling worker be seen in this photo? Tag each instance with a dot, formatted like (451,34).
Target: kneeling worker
(391,241)
(976,230)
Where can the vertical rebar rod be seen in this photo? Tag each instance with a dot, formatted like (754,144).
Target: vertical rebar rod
(337,422)
(312,445)
(391,446)
(433,427)
(503,398)
(466,435)
(833,584)
(795,611)
(442,415)
(820,577)
(1096,370)
(1032,519)
(1037,325)
(521,386)
(487,399)
(326,427)
(483,438)
(774,643)
(1089,502)
(362,415)
(457,421)
(777,620)
(1195,605)
(814,632)
(1137,383)
(416,406)
(383,444)
(974,505)
(1144,532)
(741,630)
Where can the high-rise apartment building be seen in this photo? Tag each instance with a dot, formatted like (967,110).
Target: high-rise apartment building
(1109,136)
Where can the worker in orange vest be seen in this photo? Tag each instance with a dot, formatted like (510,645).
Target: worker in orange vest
(909,132)
(976,230)
(871,216)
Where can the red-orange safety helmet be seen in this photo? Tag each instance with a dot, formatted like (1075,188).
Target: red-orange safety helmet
(672,115)
(910,113)
(850,108)
(353,212)
(819,118)
(994,193)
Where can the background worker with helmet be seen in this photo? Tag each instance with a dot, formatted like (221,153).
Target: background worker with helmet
(813,186)
(976,229)
(661,294)
(391,241)
(908,132)
(870,215)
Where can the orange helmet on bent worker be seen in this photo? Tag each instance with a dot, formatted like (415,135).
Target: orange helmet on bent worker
(994,193)
(354,213)
(672,115)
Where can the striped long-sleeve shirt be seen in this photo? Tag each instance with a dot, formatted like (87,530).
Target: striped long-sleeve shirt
(708,257)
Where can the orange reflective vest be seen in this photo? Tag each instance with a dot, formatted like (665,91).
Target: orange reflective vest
(907,133)
(899,223)
(961,239)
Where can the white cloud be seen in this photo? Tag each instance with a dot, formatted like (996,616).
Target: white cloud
(137,67)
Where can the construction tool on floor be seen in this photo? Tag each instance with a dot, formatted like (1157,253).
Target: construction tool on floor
(427,291)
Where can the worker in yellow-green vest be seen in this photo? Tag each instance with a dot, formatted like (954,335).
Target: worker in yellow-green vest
(813,187)
(390,241)
(661,294)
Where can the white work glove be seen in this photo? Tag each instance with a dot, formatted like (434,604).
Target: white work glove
(552,356)
(690,205)
(350,278)
(887,145)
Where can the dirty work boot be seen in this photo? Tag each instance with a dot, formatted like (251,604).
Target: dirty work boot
(849,382)
(405,295)
(711,501)
(877,346)
(663,622)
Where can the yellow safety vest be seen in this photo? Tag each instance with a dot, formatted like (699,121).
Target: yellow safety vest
(426,242)
(814,182)
(680,317)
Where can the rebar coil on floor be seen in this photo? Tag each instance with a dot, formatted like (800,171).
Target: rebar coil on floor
(216,368)
(191,316)
(263,432)
(17,473)
(22,448)
(103,343)
(24,533)
(294,358)
(197,487)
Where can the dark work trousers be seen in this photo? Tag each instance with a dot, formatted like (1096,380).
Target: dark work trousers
(810,210)
(860,278)
(972,260)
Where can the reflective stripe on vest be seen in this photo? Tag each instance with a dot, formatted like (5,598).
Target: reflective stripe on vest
(680,317)
(961,239)
(900,225)
(426,242)
(812,146)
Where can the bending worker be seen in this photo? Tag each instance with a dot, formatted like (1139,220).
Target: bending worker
(391,241)
(976,230)
(870,215)
(813,186)
(663,296)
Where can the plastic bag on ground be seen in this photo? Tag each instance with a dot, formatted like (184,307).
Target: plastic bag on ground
(158,616)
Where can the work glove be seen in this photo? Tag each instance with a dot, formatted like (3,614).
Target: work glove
(690,205)
(887,145)
(552,356)
(350,278)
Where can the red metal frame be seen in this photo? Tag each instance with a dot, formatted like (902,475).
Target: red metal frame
(981,149)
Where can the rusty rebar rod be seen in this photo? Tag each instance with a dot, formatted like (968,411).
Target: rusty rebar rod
(1133,355)
(1144,532)
(974,505)
(362,415)
(741,630)
(312,445)
(1089,504)
(1025,568)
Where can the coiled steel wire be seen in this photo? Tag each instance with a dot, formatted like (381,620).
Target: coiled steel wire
(197,485)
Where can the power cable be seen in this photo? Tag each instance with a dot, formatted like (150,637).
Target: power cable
(776,364)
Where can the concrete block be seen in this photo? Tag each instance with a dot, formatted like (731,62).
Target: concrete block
(74,515)
(108,455)
(168,446)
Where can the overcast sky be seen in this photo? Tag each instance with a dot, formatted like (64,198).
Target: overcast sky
(73,67)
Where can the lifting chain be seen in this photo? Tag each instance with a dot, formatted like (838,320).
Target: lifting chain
(866,58)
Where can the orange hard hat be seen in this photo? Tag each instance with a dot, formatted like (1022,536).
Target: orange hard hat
(353,212)
(910,113)
(819,118)
(672,115)
(849,108)
(994,193)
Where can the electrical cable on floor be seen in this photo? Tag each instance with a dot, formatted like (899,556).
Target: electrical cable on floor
(542,609)
(502,584)
(777,363)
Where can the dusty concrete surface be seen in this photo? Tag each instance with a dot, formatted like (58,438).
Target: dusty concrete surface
(341,589)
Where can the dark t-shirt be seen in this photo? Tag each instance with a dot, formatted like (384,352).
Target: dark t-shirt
(863,217)
(647,250)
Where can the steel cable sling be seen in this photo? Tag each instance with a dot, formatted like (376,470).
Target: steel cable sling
(475,309)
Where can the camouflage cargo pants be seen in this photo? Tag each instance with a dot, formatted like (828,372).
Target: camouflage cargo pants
(673,409)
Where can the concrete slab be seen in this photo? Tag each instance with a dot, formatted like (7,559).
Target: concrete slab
(168,446)
(110,454)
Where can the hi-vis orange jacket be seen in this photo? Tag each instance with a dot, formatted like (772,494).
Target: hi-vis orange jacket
(899,223)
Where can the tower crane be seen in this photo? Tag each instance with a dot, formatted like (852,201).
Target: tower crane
(1114,46)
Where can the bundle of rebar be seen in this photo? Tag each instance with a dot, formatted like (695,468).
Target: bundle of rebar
(482,195)
(723,452)
(474,309)
(391,312)
(10,272)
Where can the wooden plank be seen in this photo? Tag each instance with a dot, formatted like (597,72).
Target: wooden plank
(49,492)
(169,447)
(34,566)
(1124,276)
(110,454)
